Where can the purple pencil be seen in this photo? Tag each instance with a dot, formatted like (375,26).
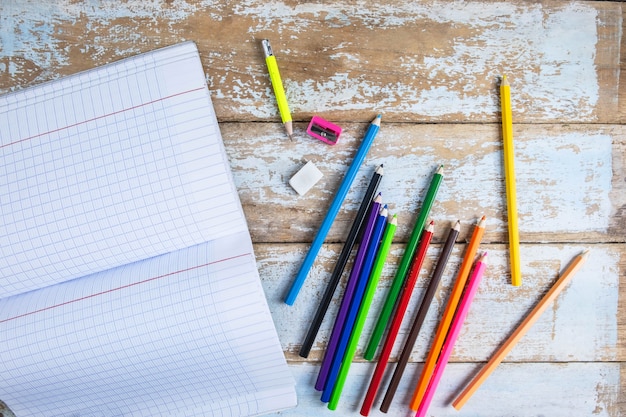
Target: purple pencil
(347,296)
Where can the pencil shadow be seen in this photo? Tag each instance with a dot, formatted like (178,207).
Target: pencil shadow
(462,384)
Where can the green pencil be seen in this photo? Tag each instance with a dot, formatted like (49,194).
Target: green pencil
(377,269)
(403,268)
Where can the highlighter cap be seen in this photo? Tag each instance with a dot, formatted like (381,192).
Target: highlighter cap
(267,48)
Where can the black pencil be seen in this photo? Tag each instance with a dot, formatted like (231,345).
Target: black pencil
(419,318)
(341,262)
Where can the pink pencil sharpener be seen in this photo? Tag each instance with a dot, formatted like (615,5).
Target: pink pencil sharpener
(324,130)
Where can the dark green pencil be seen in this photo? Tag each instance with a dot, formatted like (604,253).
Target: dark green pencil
(403,268)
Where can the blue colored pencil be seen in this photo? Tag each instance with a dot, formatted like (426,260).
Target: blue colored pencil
(333,210)
(333,342)
(355,303)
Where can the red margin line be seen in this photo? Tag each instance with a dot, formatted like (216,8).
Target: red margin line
(121,288)
(99,117)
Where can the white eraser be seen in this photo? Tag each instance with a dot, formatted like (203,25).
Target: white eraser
(305,178)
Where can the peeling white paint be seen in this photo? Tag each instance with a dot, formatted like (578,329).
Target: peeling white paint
(549,56)
(26,28)
(564,180)
(587,387)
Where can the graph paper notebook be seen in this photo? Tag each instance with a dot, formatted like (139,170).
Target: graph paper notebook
(128,282)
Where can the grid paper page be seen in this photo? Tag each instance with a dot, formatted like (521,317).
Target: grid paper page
(110,166)
(186,333)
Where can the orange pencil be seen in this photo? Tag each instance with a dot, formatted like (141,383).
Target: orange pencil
(448,314)
(521,330)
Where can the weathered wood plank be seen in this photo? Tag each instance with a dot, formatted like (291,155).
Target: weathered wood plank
(592,389)
(427,61)
(581,326)
(531,389)
(570,179)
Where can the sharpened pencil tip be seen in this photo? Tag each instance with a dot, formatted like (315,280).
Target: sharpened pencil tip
(482,221)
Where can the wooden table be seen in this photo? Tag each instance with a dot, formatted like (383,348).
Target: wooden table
(431,69)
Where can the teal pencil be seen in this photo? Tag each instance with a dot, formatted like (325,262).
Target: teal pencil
(377,269)
(403,268)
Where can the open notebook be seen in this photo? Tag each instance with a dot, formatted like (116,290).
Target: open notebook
(128,282)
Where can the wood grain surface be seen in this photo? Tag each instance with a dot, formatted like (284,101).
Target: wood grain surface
(431,68)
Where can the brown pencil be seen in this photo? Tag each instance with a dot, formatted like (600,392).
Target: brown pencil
(421,315)
(448,314)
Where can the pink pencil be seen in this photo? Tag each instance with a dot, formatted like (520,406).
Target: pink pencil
(455,329)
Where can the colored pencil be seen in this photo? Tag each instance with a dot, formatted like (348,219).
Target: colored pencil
(277,85)
(521,330)
(448,313)
(347,296)
(335,277)
(368,139)
(381,257)
(403,267)
(405,297)
(355,303)
(455,329)
(509,176)
(421,315)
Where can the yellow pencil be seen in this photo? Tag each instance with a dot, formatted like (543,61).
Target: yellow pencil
(509,176)
(277,84)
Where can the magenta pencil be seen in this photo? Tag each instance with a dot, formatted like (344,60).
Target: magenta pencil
(455,329)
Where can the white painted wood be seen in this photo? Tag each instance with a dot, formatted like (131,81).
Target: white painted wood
(581,326)
(428,60)
(565,178)
(513,390)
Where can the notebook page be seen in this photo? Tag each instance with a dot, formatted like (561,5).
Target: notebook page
(186,333)
(111,166)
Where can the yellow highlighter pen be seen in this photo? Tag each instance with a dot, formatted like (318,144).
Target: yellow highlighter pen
(277,84)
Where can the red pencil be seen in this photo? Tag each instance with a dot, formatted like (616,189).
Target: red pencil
(411,279)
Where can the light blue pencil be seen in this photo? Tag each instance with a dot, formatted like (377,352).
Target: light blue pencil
(333,210)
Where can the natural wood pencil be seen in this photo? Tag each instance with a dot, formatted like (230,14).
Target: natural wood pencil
(521,330)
